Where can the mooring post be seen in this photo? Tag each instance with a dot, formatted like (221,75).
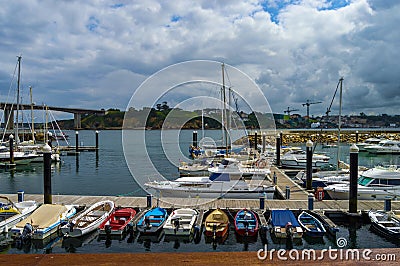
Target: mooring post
(47,197)
(353,178)
(255,141)
(148,198)
(263,142)
(20,194)
(76,142)
(309,154)
(262,202)
(278,150)
(356,136)
(11,139)
(287,192)
(388,203)
(194,138)
(281,137)
(274,179)
(310,201)
(97,140)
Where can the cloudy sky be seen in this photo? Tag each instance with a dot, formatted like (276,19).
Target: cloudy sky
(95,54)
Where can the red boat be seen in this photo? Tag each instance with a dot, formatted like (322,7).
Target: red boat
(246,223)
(117,222)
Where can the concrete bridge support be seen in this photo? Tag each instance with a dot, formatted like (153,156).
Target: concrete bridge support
(77,121)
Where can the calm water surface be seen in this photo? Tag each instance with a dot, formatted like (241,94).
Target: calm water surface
(107,173)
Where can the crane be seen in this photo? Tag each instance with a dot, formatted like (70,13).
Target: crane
(288,111)
(308,103)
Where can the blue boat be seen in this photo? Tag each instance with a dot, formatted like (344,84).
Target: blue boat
(312,226)
(152,221)
(285,225)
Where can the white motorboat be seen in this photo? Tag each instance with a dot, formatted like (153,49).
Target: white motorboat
(298,159)
(43,222)
(232,169)
(89,220)
(368,142)
(181,222)
(203,187)
(11,213)
(19,157)
(387,147)
(376,183)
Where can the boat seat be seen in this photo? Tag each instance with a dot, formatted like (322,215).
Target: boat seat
(393,228)
(385,222)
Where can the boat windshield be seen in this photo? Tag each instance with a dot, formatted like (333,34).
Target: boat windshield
(363,180)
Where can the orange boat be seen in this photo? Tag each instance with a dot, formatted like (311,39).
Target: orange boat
(117,222)
(217,224)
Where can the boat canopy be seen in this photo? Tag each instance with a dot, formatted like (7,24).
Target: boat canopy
(282,217)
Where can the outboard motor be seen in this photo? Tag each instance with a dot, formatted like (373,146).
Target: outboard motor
(26,233)
(147,222)
(107,229)
(176,225)
(71,226)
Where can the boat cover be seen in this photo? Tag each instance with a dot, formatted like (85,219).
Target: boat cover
(282,217)
(44,216)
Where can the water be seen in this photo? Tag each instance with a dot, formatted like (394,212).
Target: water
(108,174)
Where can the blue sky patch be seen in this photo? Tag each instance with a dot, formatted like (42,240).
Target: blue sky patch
(92,24)
(175,18)
(117,6)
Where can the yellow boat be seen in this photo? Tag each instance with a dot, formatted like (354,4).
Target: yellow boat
(217,224)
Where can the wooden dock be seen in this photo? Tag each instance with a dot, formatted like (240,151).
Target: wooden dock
(283,181)
(205,204)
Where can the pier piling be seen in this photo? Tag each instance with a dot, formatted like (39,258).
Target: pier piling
(287,192)
(388,204)
(76,142)
(255,141)
(263,142)
(278,150)
(11,138)
(309,155)
(194,139)
(20,195)
(310,202)
(262,202)
(97,140)
(148,200)
(353,178)
(47,196)
(356,136)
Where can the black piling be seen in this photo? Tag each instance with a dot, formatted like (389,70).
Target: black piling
(47,196)
(148,198)
(20,195)
(262,203)
(274,179)
(11,139)
(287,192)
(97,140)
(194,139)
(278,150)
(388,204)
(356,136)
(263,142)
(309,153)
(255,140)
(310,202)
(353,178)
(76,142)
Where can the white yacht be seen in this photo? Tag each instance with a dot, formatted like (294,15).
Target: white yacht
(375,183)
(232,169)
(368,142)
(298,159)
(387,147)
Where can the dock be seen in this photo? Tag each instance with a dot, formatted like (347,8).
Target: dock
(283,181)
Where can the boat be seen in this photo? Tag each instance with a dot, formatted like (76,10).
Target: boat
(194,168)
(152,221)
(368,142)
(216,224)
(311,226)
(385,224)
(375,183)
(285,225)
(88,220)
(11,213)
(246,223)
(117,222)
(232,169)
(43,222)
(386,147)
(181,222)
(297,159)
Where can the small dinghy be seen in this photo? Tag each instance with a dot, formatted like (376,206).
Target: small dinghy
(11,213)
(181,222)
(152,221)
(285,225)
(385,224)
(117,222)
(88,220)
(311,226)
(217,224)
(246,223)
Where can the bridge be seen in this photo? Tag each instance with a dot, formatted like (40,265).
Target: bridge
(9,109)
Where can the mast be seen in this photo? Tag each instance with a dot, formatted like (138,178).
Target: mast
(224,109)
(340,120)
(18,88)
(33,124)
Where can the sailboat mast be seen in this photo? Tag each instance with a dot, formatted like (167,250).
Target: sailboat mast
(18,88)
(33,124)
(339,120)
(224,109)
